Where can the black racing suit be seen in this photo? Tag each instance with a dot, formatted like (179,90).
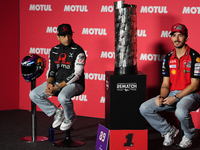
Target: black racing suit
(66,63)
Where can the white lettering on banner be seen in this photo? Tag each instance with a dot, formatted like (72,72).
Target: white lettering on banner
(141,33)
(95,76)
(102,100)
(76,8)
(40,7)
(191,10)
(154,9)
(152,57)
(86,53)
(34,50)
(80,98)
(94,31)
(165,34)
(107,54)
(51,30)
(107,9)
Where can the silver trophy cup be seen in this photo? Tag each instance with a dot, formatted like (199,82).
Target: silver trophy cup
(125,38)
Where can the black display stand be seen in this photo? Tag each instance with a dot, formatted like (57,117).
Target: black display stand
(34,137)
(124,95)
(68,141)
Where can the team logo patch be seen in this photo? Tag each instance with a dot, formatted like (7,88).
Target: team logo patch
(197,65)
(186,71)
(172,61)
(173,71)
(189,64)
(172,66)
(197,71)
(198,59)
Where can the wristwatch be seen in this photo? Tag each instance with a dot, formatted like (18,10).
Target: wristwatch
(176,98)
(57,87)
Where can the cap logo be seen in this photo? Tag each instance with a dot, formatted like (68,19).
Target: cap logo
(65,29)
(179,27)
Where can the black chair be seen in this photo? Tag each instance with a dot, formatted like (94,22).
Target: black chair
(67,141)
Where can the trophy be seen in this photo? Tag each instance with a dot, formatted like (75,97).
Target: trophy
(125,38)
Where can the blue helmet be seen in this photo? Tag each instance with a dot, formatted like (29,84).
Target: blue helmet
(32,66)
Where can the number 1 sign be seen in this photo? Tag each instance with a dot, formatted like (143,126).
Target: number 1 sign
(128,140)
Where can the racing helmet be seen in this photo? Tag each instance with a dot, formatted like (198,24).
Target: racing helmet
(32,66)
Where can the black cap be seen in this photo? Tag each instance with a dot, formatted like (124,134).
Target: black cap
(64,29)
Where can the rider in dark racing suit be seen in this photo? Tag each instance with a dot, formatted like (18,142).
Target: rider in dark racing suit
(65,79)
(66,63)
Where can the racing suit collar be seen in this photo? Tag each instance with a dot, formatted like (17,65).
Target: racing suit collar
(186,52)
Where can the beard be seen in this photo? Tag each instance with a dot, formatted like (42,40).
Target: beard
(179,46)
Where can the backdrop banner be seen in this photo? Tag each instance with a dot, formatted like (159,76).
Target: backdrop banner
(93,23)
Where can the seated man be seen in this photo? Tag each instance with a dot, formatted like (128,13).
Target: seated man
(179,90)
(65,79)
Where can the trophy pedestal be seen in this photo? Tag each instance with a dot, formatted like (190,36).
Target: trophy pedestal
(124,95)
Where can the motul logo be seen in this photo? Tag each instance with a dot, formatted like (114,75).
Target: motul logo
(94,31)
(151,57)
(95,76)
(51,30)
(39,7)
(107,9)
(191,10)
(165,34)
(76,8)
(154,9)
(141,33)
(36,50)
(105,54)
(80,98)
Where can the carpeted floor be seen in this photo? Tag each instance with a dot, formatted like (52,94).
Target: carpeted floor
(16,124)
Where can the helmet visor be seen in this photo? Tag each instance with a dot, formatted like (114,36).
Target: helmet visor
(28,69)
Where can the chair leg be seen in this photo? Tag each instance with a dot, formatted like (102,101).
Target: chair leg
(68,141)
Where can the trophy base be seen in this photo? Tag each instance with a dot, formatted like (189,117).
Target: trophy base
(126,70)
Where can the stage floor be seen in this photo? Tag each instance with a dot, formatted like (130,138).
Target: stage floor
(16,124)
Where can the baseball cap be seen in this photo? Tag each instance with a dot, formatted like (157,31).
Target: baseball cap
(64,29)
(179,28)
